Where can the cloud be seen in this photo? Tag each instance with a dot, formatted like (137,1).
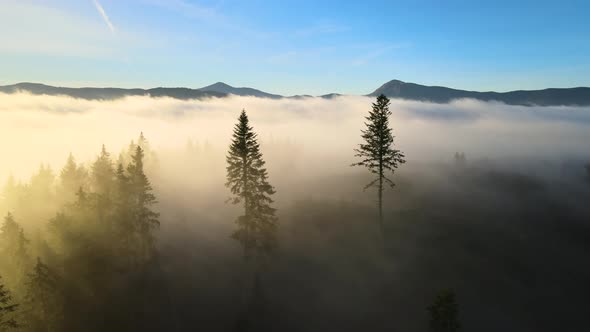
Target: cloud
(104,15)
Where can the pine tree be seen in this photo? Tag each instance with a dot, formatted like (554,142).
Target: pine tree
(141,199)
(103,173)
(72,177)
(13,245)
(377,152)
(44,300)
(124,226)
(7,310)
(247,179)
(444,313)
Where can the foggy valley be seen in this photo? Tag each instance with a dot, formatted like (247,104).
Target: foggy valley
(491,203)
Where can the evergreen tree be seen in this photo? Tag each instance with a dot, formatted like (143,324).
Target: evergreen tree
(103,173)
(7,310)
(444,313)
(247,179)
(72,178)
(13,246)
(124,230)
(143,143)
(141,198)
(377,152)
(43,299)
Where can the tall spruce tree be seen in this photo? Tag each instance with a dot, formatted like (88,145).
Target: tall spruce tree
(247,179)
(44,299)
(13,246)
(72,177)
(103,173)
(7,310)
(377,152)
(141,200)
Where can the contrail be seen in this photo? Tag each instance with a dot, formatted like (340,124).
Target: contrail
(104,15)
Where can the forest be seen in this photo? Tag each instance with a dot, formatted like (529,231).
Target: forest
(210,239)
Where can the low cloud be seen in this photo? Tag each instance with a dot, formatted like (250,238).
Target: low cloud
(47,128)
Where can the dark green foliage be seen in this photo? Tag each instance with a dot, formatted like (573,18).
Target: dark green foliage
(44,299)
(444,313)
(377,152)
(140,199)
(7,310)
(13,246)
(247,179)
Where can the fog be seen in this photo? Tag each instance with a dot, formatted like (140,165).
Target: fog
(507,229)
(46,128)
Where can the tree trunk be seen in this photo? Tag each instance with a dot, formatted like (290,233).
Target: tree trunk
(246,210)
(380,194)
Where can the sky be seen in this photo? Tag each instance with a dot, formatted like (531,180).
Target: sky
(296,47)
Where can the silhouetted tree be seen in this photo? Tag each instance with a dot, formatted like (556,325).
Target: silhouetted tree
(377,152)
(13,246)
(247,179)
(43,299)
(103,173)
(72,177)
(588,172)
(7,310)
(444,313)
(141,200)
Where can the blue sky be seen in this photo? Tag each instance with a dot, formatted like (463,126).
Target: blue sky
(296,47)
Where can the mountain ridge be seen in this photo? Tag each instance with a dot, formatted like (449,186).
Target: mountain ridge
(579,96)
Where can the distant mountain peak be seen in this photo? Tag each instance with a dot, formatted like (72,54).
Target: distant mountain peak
(221,87)
(218,85)
(439,94)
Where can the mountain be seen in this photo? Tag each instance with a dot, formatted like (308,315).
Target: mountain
(438,94)
(108,93)
(393,89)
(221,87)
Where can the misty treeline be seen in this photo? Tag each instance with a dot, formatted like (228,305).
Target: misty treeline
(78,249)
(89,264)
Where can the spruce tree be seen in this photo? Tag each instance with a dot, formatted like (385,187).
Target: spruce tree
(44,299)
(72,177)
(444,313)
(377,151)
(124,230)
(103,173)
(13,245)
(7,310)
(141,200)
(247,179)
